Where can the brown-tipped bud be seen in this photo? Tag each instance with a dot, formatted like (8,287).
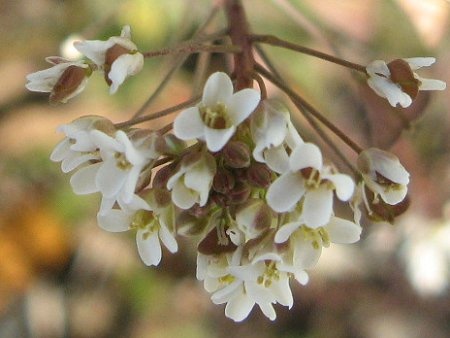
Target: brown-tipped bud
(223,181)
(259,175)
(188,225)
(111,55)
(240,193)
(402,74)
(71,82)
(162,176)
(236,154)
(169,144)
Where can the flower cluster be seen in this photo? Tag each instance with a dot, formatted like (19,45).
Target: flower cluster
(118,58)
(235,176)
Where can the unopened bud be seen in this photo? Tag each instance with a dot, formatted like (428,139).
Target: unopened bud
(402,74)
(223,181)
(69,84)
(240,193)
(236,154)
(259,175)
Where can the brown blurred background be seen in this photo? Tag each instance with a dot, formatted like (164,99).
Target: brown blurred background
(61,276)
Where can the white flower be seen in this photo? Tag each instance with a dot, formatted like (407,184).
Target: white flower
(216,118)
(193,180)
(77,147)
(307,178)
(397,81)
(306,243)
(272,130)
(153,223)
(118,57)
(383,174)
(123,160)
(242,285)
(64,80)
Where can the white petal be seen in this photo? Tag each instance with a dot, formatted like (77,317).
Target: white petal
(199,181)
(285,192)
(168,240)
(305,255)
(419,62)
(130,183)
(301,277)
(218,89)
(431,84)
(183,197)
(114,220)
(60,151)
(217,138)
(124,66)
(268,310)
(286,231)
(110,178)
(149,247)
(188,125)
(318,207)
(242,104)
(344,185)
(342,231)
(83,181)
(393,196)
(94,49)
(105,142)
(70,164)
(305,155)
(239,307)
(282,291)
(378,67)
(277,159)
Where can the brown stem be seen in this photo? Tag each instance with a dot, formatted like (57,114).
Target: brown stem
(193,47)
(239,34)
(274,41)
(157,114)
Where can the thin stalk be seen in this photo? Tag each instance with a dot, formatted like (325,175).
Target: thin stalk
(274,41)
(156,115)
(193,47)
(179,61)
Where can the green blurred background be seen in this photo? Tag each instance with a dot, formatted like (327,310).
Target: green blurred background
(62,276)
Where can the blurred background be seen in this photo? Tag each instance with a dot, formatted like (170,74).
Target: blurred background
(62,276)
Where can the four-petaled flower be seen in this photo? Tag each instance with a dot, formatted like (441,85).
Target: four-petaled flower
(215,119)
(397,81)
(153,222)
(307,178)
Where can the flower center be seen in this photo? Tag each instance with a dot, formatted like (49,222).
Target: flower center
(269,275)
(318,237)
(216,116)
(122,162)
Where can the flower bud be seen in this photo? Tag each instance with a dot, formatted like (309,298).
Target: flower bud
(402,74)
(223,181)
(236,154)
(259,175)
(240,193)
